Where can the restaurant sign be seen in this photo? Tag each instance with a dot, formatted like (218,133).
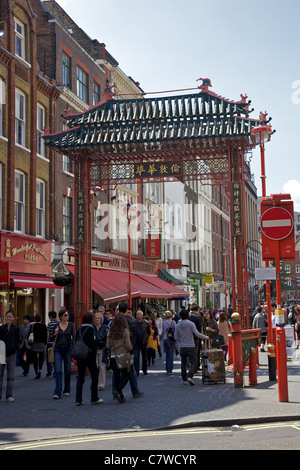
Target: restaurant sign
(26,254)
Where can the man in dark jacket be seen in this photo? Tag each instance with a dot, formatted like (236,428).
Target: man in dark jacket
(10,335)
(196,318)
(140,332)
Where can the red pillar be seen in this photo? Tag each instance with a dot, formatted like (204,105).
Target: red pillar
(281,365)
(252,367)
(82,238)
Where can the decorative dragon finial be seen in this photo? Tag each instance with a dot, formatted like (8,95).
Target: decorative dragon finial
(108,93)
(263,116)
(205,84)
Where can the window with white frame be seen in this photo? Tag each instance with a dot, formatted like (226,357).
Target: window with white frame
(297,268)
(19,39)
(96,93)
(40,130)
(20,118)
(40,208)
(67,220)
(66,70)
(82,85)
(287,268)
(19,214)
(2,103)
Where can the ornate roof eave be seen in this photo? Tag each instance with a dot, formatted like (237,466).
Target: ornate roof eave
(141,108)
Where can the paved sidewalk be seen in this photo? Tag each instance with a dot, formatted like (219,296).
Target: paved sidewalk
(167,403)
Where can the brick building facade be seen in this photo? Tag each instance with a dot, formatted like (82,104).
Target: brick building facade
(27,102)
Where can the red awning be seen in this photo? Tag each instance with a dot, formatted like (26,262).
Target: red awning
(110,285)
(113,285)
(35,282)
(172,291)
(148,289)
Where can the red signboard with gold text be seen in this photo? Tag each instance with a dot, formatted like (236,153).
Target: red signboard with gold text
(4,274)
(26,254)
(153,247)
(175,263)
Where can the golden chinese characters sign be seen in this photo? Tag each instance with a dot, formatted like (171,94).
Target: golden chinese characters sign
(158,169)
(236,202)
(80,217)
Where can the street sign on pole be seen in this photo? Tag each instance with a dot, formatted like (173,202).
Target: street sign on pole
(265,274)
(277,223)
(277,228)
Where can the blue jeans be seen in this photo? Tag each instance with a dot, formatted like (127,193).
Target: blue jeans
(62,356)
(169,347)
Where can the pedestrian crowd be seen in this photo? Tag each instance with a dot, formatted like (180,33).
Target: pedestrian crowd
(127,344)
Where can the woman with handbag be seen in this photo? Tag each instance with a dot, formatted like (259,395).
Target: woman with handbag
(36,343)
(63,337)
(210,327)
(121,354)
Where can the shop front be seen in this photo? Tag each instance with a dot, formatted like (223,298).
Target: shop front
(110,283)
(25,275)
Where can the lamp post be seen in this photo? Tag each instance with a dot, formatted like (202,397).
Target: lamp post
(129,255)
(260,135)
(225,252)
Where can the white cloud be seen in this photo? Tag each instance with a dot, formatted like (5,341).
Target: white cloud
(293,188)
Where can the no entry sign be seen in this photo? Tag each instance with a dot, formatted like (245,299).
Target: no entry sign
(277,223)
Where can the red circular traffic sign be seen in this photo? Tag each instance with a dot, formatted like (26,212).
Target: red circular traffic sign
(277,223)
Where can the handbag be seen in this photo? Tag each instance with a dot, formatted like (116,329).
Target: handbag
(217,341)
(31,338)
(124,360)
(51,355)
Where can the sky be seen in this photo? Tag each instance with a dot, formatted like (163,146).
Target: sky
(244,47)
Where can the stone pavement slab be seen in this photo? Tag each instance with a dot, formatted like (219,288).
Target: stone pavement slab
(167,403)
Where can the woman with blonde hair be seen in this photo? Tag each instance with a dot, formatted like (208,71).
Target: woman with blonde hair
(168,331)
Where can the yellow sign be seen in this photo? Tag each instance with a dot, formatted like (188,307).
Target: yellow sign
(208,279)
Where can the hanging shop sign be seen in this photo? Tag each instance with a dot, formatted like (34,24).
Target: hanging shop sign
(153,248)
(4,274)
(175,264)
(208,279)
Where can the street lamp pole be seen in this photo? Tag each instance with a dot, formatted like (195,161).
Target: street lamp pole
(225,277)
(261,134)
(129,256)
